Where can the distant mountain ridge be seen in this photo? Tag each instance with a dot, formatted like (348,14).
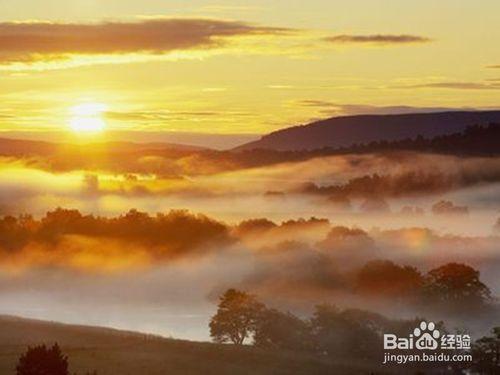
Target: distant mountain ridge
(19,147)
(348,130)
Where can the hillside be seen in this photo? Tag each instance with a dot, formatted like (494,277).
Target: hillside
(114,352)
(345,131)
(21,147)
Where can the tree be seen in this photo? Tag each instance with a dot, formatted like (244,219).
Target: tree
(385,278)
(346,334)
(456,286)
(236,317)
(275,329)
(486,353)
(40,360)
(448,208)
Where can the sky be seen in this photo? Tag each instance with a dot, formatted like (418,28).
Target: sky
(222,72)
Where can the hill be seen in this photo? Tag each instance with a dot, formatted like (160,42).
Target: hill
(21,147)
(115,352)
(345,131)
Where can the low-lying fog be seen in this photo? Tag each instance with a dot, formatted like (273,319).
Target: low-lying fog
(424,211)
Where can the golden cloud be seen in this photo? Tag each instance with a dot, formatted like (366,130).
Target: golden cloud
(455,86)
(24,44)
(377,39)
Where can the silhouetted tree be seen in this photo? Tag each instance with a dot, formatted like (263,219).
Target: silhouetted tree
(456,286)
(236,317)
(275,329)
(486,353)
(448,208)
(385,278)
(375,204)
(254,226)
(347,333)
(40,360)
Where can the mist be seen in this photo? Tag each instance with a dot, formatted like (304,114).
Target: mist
(263,232)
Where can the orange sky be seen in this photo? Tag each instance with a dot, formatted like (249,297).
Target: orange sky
(238,67)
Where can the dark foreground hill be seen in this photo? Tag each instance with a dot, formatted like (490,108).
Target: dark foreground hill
(345,131)
(114,352)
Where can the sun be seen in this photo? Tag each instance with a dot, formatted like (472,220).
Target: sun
(88,118)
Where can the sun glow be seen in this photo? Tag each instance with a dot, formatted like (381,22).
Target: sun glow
(87,118)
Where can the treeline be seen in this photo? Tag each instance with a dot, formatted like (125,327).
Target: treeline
(474,140)
(454,288)
(180,230)
(177,163)
(405,184)
(330,331)
(347,334)
(390,186)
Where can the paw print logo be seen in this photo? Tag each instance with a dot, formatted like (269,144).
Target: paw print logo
(427,336)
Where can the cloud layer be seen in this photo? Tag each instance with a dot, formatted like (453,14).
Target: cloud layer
(29,42)
(331,108)
(44,45)
(380,39)
(456,86)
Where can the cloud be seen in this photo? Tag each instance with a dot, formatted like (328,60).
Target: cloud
(332,108)
(6,116)
(41,42)
(377,39)
(41,45)
(456,86)
(168,115)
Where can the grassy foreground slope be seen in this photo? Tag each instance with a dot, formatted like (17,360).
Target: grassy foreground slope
(114,352)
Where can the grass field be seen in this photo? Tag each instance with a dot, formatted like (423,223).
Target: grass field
(114,352)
